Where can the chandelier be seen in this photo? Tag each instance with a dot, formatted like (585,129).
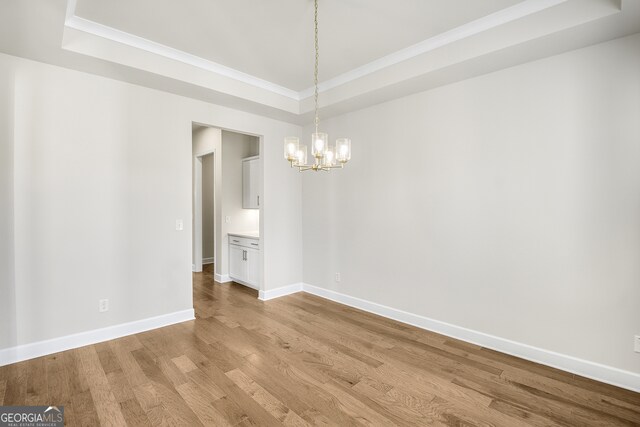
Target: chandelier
(326,156)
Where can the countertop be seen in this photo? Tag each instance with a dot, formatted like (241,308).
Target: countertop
(247,234)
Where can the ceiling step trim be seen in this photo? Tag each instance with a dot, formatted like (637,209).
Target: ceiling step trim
(517,11)
(110,33)
(496,19)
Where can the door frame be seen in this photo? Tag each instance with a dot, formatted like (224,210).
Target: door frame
(197,214)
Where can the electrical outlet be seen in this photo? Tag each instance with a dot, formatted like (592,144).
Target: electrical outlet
(103,305)
(636,344)
(179,225)
(337,277)
(227,219)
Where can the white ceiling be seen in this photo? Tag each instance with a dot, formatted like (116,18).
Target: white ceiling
(273,40)
(244,55)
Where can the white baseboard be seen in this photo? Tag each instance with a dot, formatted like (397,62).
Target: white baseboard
(68,342)
(208,260)
(585,368)
(222,278)
(280,292)
(596,371)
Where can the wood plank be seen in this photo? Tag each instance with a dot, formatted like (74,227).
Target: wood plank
(107,407)
(128,364)
(133,413)
(236,397)
(120,386)
(164,390)
(278,385)
(197,399)
(147,397)
(213,392)
(108,359)
(57,382)
(265,399)
(37,389)
(184,364)
(16,384)
(83,410)
(3,389)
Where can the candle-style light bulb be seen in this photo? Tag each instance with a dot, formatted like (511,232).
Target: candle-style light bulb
(343,150)
(320,142)
(291,144)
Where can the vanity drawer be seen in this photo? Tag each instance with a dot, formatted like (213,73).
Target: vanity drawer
(245,242)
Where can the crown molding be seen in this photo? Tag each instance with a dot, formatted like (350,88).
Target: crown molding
(110,33)
(520,10)
(71,9)
(501,17)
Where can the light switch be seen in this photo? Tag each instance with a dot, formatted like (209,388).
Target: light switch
(227,219)
(179,225)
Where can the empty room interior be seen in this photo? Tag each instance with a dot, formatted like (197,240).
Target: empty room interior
(320,212)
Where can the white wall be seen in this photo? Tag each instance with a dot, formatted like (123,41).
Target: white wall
(508,204)
(102,171)
(7,258)
(208,224)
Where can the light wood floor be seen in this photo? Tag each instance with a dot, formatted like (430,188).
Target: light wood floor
(301,360)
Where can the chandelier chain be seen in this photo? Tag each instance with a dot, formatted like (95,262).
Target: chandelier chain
(315,75)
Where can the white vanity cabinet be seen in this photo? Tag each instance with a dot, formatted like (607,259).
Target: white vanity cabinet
(244,259)
(251,183)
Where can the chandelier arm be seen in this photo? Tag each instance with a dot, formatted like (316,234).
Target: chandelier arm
(317,167)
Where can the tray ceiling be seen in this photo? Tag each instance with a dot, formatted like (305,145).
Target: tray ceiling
(273,40)
(257,56)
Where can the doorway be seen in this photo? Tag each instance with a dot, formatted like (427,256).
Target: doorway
(227,201)
(205,142)
(208,210)
(204,223)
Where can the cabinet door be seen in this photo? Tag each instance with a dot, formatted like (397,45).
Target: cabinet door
(237,264)
(251,184)
(253,267)
(246,184)
(254,183)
